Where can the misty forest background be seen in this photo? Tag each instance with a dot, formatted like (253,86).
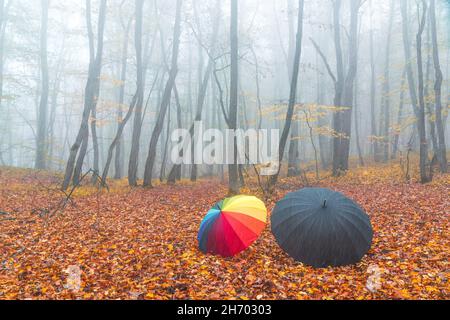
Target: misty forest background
(101,85)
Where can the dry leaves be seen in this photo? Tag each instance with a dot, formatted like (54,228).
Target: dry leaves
(141,244)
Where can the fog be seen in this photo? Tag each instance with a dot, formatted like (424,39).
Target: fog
(136,79)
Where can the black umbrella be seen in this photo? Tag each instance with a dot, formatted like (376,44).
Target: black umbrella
(321,228)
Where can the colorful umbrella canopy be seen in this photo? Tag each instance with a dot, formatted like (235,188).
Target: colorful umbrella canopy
(232,225)
(321,228)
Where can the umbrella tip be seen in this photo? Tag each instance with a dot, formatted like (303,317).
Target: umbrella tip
(324,204)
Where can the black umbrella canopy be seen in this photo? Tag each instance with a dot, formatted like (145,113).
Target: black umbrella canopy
(321,228)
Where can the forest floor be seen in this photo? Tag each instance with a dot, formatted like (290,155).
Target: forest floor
(141,244)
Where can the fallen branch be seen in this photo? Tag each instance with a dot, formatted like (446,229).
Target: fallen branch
(68,199)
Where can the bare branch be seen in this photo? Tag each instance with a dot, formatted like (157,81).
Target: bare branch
(324,59)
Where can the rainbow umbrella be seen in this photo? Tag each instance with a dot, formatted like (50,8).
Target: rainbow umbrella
(232,225)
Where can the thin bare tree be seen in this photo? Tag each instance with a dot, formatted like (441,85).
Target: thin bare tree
(423,146)
(133,163)
(73,170)
(41,142)
(150,162)
(293,90)
(442,151)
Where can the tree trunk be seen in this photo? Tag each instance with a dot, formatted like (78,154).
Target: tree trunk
(118,162)
(206,78)
(423,148)
(95,140)
(387,88)
(293,91)
(41,150)
(409,65)
(165,149)
(343,120)
(116,139)
(91,92)
(116,143)
(340,82)
(399,116)
(429,107)
(357,136)
(324,142)
(59,72)
(293,152)
(80,160)
(2,46)
(233,182)
(165,100)
(442,151)
(3,21)
(373,127)
(93,99)
(408,57)
(175,172)
(137,125)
